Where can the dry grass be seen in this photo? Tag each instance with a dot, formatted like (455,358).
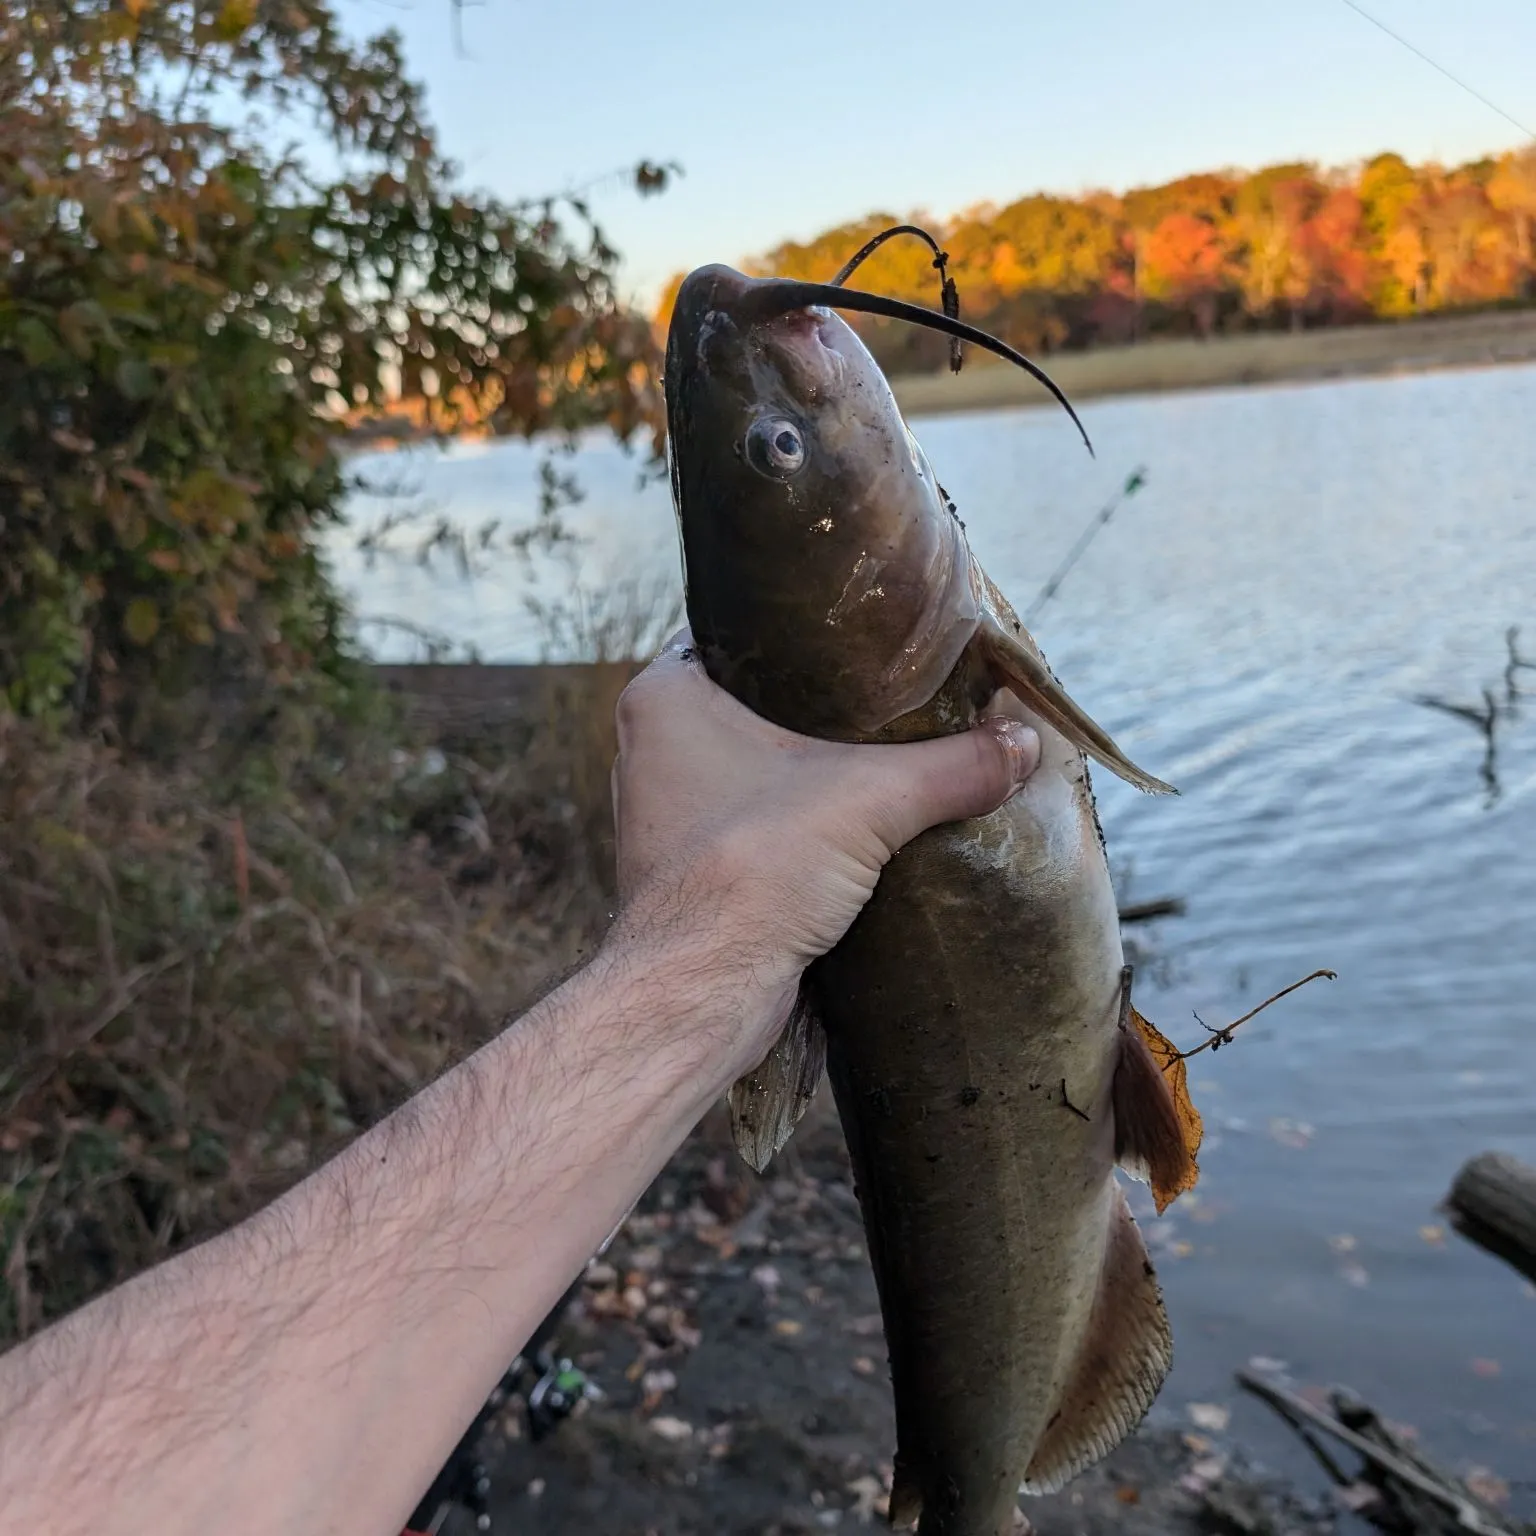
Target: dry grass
(203,995)
(1266,357)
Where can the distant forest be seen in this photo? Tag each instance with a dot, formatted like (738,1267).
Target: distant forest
(1287,247)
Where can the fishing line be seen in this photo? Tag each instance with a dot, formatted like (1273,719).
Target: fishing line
(772,296)
(949,294)
(1397,37)
(1133,483)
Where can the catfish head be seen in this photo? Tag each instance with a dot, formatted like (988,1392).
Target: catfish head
(829,583)
(829,586)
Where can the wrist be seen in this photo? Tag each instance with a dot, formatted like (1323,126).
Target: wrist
(713,1000)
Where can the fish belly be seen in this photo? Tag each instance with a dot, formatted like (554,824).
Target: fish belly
(970,1016)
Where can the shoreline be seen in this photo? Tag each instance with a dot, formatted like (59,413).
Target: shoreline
(1495,338)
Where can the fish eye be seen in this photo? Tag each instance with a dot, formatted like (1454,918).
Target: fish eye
(775,447)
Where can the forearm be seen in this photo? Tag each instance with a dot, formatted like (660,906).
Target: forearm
(311,1369)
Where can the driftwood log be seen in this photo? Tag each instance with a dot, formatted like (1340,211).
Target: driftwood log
(1393,1485)
(1493,1204)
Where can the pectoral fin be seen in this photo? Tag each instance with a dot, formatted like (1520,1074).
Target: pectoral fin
(1016,664)
(1125,1356)
(766,1104)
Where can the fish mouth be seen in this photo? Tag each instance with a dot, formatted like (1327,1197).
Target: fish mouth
(805,346)
(716,297)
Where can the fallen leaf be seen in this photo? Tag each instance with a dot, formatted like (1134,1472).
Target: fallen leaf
(672,1429)
(1167,1188)
(656,1384)
(1209,1416)
(869,1498)
(1357,1496)
(1127,1494)
(1485,1484)
(1484,1367)
(1291,1133)
(788,1327)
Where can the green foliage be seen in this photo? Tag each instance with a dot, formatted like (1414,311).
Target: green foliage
(190,317)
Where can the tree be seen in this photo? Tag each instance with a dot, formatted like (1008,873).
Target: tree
(1269,210)
(1182,259)
(1287,244)
(1331,255)
(188,313)
(1512,191)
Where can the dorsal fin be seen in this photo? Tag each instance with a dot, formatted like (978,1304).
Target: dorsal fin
(1125,1356)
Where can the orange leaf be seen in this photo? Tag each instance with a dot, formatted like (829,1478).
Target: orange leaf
(1166,1054)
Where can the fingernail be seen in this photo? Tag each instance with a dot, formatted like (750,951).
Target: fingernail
(1022,744)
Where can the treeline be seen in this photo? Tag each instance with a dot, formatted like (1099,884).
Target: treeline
(1289,246)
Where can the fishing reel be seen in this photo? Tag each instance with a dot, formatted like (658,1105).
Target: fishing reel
(558,1388)
(556,1395)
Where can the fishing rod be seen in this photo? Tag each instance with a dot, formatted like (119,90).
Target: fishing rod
(556,1391)
(1133,483)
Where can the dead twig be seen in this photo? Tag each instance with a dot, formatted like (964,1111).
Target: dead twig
(1516,663)
(1145,911)
(1223,1035)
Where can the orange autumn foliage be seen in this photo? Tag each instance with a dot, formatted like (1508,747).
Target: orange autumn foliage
(1287,246)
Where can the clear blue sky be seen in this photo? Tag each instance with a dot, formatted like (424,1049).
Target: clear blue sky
(791,116)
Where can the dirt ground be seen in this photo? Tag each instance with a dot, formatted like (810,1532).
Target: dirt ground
(733,1329)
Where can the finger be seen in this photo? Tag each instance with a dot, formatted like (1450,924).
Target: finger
(953,777)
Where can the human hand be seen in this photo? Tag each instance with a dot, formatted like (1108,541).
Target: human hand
(746,850)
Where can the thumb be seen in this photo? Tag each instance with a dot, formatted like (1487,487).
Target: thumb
(953,777)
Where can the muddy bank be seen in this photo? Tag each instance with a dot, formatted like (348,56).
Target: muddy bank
(733,1330)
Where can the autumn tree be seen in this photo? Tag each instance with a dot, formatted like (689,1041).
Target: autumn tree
(188,312)
(1269,211)
(1289,244)
(1512,191)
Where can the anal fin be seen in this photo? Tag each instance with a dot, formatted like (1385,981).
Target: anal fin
(1125,1357)
(767,1103)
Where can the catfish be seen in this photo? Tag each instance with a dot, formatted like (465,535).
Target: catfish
(975,1022)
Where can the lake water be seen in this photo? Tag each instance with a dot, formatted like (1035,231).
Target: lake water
(1254,625)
